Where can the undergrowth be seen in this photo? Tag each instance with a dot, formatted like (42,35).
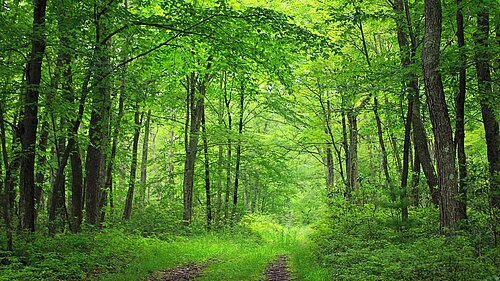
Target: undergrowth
(369,243)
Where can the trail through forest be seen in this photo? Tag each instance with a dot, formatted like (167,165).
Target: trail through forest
(278,270)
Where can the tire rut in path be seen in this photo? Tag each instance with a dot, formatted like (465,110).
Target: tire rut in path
(279,270)
(185,272)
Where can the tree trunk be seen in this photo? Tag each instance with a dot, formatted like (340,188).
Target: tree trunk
(238,155)
(345,144)
(144,161)
(30,120)
(114,144)
(95,161)
(196,109)
(76,190)
(406,160)
(5,196)
(228,157)
(488,102)
(207,171)
(445,150)
(133,166)
(415,179)
(42,161)
(460,111)
(353,152)
(383,150)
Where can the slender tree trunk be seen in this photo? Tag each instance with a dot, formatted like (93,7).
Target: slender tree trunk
(422,150)
(441,125)
(238,155)
(133,166)
(7,184)
(30,120)
(228,157)
(196,105)
(488,110)
(114,144)
(345,144)
(208,192)
(144,161)
(415,179)
(353,152)
(76,190)
(329,174)
(383,150)
(42,161)
(460,112)
(406,160)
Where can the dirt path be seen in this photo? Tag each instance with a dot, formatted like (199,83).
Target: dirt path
(278,270)
(186,272)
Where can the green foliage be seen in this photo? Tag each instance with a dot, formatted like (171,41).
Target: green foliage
(68,256)
(364,243)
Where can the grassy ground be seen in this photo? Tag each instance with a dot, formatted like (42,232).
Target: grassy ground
(114,255)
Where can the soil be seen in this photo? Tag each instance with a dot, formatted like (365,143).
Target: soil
(186,272)
(279,270)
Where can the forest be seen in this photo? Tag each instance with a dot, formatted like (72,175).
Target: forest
(250,140)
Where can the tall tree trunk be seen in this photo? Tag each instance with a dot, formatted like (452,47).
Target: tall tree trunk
(7,184)
(95,160)
(238,155)
(406,160)
(42,161)
(76,190)
(460,111)
(196,108)
(208,192)
(401,8)
(445,149)
(114,144)
(345,145)
(30,120)
(227,102)
(133,166)
(353,152)
(383,150)
(488,102)
(144,161)
(415,179)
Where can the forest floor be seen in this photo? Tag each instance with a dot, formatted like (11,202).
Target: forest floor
(278,270)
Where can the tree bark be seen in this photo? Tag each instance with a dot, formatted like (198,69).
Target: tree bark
(406,160)
(42,161)
(381,142)
(208,192)
(238,155)
(133,166)
(144,160)
(353,152)
(95,161)
(196,109)
(114,144)
(459,113)
(445,149)
(488,107)
(30,120)
(345,145)
(5,196)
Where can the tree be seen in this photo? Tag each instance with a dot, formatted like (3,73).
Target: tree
(488,102)
(441,125)
(30,117)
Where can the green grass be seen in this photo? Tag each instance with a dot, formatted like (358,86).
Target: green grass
(240,254)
